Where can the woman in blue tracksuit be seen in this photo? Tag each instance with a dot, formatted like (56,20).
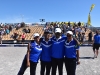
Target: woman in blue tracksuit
(57,52)
(71,54)
(46,54)
(33,54)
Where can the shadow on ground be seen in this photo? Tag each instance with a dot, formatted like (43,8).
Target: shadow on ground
(86,57)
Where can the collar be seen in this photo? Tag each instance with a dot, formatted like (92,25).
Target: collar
(45,40)
(71,40)
(35,43)
(57,38)
(97,34)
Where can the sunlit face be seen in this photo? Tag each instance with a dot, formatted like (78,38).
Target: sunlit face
(37,38)
(69,36)
(47,35)
(57,35)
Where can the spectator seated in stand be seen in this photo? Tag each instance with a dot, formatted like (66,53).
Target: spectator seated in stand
(14,36)
(26,30)
(29,30)
(7,31)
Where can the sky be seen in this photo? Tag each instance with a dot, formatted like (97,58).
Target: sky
(30,11)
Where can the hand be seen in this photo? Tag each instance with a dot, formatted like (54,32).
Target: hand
(92,45)
(78,62)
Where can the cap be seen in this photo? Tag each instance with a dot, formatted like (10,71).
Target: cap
(70,32)
(57,30)
(35,35)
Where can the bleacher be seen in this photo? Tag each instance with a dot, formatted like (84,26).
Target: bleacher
(87,32)
(33,30)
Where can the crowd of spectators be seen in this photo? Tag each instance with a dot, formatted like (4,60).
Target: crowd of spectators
(78,30)
(5,29)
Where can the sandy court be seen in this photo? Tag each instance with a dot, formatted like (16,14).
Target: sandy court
(11,59)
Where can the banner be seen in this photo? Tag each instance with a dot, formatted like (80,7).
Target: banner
(92,6)
(89,20)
